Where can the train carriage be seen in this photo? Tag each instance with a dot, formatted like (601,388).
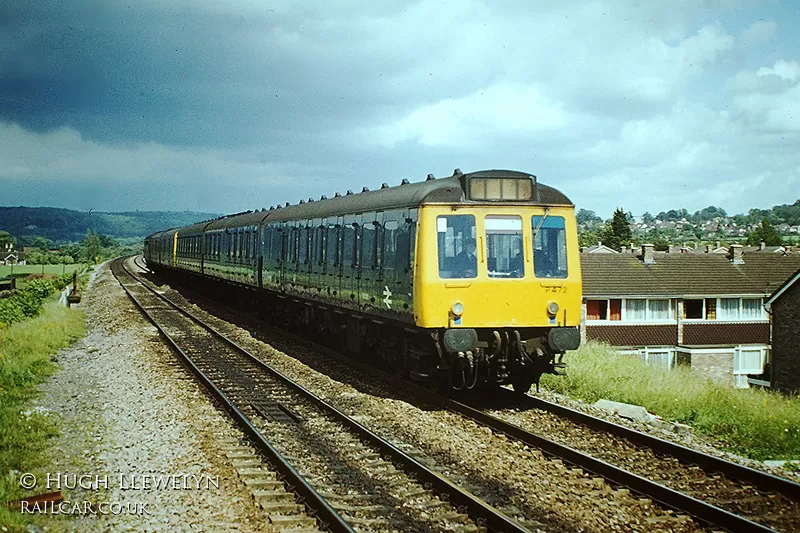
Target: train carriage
(468,280)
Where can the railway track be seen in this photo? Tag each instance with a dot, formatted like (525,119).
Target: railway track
(347,476)
(714,491)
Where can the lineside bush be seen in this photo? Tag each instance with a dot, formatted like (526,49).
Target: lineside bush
(756,423)
(26,348)
(27,301)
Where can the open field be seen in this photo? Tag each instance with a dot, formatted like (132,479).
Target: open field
(755,423)
(6,270)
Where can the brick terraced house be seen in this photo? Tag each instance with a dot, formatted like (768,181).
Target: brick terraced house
(705,310)
(784,306)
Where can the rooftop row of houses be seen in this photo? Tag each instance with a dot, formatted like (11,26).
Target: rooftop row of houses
(706,310)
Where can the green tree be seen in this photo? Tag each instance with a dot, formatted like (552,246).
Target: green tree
(764,233)
(41,243)
(618,231)
(5,237)
(92,247)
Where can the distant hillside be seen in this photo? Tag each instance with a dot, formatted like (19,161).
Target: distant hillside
(66,225)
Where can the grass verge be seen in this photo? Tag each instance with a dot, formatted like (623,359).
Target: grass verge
(25,361)
(755,423)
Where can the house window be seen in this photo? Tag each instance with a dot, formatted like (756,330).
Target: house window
(596,309)
(751,308)
(728,309)
(603,309)
(636,310)
(693,309)
(641,310)
(658,310)
(740,309)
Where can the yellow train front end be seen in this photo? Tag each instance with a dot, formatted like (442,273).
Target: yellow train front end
(498,285)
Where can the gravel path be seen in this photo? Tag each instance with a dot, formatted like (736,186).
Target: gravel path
(125,407)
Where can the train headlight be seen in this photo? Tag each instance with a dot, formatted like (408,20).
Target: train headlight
(552,308)
(457,308)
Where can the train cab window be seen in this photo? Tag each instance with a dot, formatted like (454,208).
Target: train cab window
(455,235)
(549,247)
(504,255)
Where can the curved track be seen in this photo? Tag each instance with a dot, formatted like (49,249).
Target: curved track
(726,495)
(250,388)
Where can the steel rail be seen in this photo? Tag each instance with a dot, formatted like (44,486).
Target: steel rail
(699,509)
(479,510)
(328,517)
(757,478)
(669,497)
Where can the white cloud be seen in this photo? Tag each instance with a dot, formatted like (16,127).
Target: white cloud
(785,70)
(759,31)
(502,110)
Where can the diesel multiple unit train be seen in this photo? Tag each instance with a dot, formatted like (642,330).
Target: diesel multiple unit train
(469,280)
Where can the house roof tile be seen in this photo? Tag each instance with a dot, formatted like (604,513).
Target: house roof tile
(675,275)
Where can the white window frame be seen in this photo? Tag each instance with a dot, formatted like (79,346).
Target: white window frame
(648,353)
(647,320)
(739,368)
(763,317)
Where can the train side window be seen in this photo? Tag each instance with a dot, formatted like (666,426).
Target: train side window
(322,245)
(304,244)
(348,243)
(333,245)
(549,246)
(369,233)
(389,237)
(455,235)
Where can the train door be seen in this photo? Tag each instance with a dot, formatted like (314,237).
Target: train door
(333,258)
(388,281)
(349,287)
(368,263)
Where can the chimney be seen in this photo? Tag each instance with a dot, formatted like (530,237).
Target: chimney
(735,254)
(718,245)
(624,249)
(647,254)
(709,248)
(762,245)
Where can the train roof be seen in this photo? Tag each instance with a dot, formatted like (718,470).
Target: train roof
(250,218)
(449,190)
(444,190)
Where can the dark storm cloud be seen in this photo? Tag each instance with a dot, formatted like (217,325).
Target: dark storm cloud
(214,106)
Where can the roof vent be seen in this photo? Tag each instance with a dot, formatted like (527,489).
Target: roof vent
(287,204)
(310,200)
(271,207)
(337,195)
(302,201)
(365,189)
(349,192)
(404,182)
(384,185)
(457,172)
(430,177)
(323,197)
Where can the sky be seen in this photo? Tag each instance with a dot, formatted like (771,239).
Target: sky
(241,104)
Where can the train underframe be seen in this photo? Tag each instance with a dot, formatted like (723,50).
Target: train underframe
(444,359)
